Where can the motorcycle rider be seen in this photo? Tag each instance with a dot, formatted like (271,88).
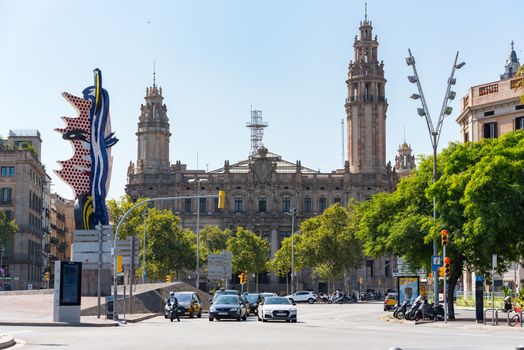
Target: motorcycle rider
(173,301)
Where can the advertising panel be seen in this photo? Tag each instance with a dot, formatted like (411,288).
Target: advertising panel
(408,288)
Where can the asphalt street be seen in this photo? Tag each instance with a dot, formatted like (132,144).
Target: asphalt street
(351,326)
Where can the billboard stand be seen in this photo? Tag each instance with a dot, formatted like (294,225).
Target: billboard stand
(67,291)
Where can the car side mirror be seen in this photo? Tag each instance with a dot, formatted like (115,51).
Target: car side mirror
(294,303)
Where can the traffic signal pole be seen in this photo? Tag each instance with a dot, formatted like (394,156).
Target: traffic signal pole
(445,287)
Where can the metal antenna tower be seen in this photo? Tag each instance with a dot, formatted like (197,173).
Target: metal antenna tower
(257,125)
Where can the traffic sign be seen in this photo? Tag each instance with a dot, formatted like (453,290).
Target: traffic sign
(436,262)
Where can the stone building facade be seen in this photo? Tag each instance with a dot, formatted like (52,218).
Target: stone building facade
(261,190)
(24,189)
(492,109)
(61,227)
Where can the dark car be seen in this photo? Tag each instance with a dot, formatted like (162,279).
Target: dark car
(223,292)
(228,307)
(189,304)
(253,300)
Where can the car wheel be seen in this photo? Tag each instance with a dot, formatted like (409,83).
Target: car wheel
(311,300)
(264,320)
(294,321)
(385,308)
(210,318)
(244,318)
(192,314)
(200,314)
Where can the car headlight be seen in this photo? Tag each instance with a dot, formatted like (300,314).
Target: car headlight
(293,310)
(212,309)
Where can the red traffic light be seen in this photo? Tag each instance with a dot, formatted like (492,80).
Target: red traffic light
(444,238)
(447,260)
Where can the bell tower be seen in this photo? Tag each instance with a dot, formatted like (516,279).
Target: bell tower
(366,105)
(153,134)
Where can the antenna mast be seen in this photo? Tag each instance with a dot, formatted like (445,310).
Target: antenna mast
(257,125)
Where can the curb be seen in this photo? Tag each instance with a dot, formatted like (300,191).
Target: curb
(58,324)
(143,318)
(6,341)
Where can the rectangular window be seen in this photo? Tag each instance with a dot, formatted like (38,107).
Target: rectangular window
(466,137)
(337,200)
(5,195)
(266,235)
(281,236)
(490,130)
(387,269)
(519,107)
(8,171)
(215,205)
(519,123)
(202,205)
(308,208)
(489,113)
(239,205)
(369,268)
(286,204)
(262,205)
(321,204)
(187,205)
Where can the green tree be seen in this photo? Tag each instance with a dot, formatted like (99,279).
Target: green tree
(250,252)
(479,195)
(169,248)
(281,262)
(213,240)
(329,242)
(7,228)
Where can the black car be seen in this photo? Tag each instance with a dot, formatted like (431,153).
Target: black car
(228,307)
(253,300)
(189,304)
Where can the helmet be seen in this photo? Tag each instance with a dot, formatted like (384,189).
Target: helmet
(171,294)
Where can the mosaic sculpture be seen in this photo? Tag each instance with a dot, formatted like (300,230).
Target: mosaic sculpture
(88,172)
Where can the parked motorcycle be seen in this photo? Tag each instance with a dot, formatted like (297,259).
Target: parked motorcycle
(400,311)
(412,311)
(429,312)
(171,310)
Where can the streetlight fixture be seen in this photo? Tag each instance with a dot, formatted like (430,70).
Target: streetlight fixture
(292,212)
(434,133)
(197,279)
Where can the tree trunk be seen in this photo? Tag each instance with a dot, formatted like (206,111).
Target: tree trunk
(455,273)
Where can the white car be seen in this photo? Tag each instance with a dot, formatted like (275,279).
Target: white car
(302,296)
(277,308)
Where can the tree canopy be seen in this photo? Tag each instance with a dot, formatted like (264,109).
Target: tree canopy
(7,228)
(479,199)
(250,252)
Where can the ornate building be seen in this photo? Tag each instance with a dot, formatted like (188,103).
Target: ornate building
(404,161)
(262,189)
(492,109)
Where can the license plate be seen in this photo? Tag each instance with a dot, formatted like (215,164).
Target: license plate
(281,314)
(222,313)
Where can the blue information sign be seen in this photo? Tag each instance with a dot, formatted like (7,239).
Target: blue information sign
(436,262)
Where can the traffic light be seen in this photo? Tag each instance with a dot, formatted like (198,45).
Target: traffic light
(168,278)
(242,278)
(221,199)
(447,263)
(444,238)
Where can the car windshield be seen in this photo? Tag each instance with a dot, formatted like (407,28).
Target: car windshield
(277,301)
(227,299)
(183,298)
(252,298)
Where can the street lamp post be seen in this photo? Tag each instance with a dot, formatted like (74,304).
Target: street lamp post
(292,212)
(197,279)
(434,133)
(144,272)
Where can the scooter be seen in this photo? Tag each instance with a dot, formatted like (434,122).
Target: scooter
(428,311)
(410,314)
(400,311)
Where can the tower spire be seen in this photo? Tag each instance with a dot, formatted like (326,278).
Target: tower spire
(365,11)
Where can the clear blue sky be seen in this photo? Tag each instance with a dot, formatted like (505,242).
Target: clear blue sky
(216,58)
